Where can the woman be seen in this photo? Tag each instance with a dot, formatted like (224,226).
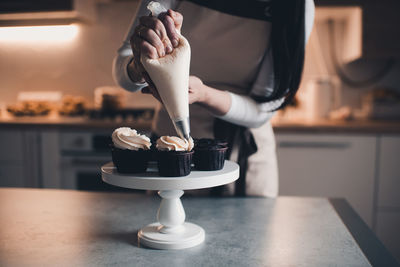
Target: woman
(247,60)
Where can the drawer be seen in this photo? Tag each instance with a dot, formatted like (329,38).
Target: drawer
(329,166)
(76,141)
(11,143)
(389,172)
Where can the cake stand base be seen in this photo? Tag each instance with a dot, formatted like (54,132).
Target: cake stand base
(171,231)
(189,235)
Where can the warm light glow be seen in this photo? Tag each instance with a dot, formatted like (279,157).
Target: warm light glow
(53,34)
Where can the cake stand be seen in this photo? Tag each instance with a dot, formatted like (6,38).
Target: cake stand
(171,231)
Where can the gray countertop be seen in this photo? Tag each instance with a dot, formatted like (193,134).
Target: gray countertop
(298,126)
(41,227)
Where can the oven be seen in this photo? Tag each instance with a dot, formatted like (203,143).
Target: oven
(81,156)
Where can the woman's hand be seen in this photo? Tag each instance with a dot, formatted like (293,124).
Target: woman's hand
(153,37)
(197,90)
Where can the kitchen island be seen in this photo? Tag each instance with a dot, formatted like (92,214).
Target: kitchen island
(42,227)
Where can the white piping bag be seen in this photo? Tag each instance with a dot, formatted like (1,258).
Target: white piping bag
(170,75)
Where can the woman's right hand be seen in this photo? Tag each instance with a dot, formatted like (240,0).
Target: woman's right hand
(153,37)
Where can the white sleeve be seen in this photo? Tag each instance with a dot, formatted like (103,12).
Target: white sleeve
(124,56)
(244,110)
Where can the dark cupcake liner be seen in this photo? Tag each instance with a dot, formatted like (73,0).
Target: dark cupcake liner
(174,163)
(208,142)
(209,159)
(130,161)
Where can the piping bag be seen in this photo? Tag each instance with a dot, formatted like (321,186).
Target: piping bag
(170,75)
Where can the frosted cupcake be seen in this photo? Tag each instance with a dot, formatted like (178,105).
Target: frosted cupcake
(130,151)
(174,156)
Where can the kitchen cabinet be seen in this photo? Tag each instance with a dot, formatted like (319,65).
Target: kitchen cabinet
(387,230)
(45,12)
(381,34)
(19,158)
(389,172)
(11,143)
(12,175)
(329,166)
(388,204)
(381,31)
(11,159)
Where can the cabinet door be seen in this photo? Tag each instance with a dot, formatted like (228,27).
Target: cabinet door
(381,29)
(11,143)
(328,166)
(11,175)
(388,231)
(389,172)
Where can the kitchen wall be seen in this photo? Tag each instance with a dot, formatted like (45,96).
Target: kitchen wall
(74,67)
(79,66)
(319,61)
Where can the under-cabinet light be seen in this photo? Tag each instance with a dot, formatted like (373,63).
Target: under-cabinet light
(37,34)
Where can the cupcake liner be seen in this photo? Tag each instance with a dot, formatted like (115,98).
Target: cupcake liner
(130,161)
(209,159)
(174,163)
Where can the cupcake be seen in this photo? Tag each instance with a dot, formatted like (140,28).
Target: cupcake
(209,154)
(130,151)
(174,156)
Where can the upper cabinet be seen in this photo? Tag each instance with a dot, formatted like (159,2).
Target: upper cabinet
(381,31)
(45,12)
(380,25)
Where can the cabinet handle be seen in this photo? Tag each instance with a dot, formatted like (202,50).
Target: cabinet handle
(294,144)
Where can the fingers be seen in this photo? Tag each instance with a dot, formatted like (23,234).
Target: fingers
(156,26)
(152,91)
(148,50)
(169,24)
(177,17)
(156,37)
(151,37)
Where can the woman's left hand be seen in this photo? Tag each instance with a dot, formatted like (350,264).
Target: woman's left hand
(197,90)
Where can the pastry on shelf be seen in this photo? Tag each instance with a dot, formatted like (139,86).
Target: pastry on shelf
(73,106)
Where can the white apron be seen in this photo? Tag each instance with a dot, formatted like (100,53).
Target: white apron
(227,52)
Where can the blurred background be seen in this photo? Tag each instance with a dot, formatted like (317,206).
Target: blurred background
(339,138)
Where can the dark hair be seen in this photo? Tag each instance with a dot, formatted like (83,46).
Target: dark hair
(288,43)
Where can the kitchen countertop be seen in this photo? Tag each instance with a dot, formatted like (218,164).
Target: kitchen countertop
(282,126)
(42,227)
(73,123)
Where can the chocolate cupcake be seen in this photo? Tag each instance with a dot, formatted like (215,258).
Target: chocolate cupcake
(174,156)
(209,154)
(130,151)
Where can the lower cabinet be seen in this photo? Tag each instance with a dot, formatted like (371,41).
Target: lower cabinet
(388,204)
(12,167)
(387,230)
(329,166)
(12,175)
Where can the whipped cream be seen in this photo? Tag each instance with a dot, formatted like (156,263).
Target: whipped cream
(174,143)
(127,138)
(170,74)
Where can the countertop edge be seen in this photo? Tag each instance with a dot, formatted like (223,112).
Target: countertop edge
(376,253)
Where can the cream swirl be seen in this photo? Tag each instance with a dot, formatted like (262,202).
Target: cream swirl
(127,138)
(174,143)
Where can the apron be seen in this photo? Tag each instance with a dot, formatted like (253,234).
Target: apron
(227,52)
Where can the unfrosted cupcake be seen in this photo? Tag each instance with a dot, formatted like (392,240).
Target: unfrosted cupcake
(130,150)
(174,156)
(209,154)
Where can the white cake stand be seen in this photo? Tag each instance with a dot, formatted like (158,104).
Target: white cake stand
(171,231)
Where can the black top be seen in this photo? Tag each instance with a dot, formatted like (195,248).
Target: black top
(254,9)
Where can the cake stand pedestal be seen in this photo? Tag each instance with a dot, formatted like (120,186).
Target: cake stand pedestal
(171,231)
